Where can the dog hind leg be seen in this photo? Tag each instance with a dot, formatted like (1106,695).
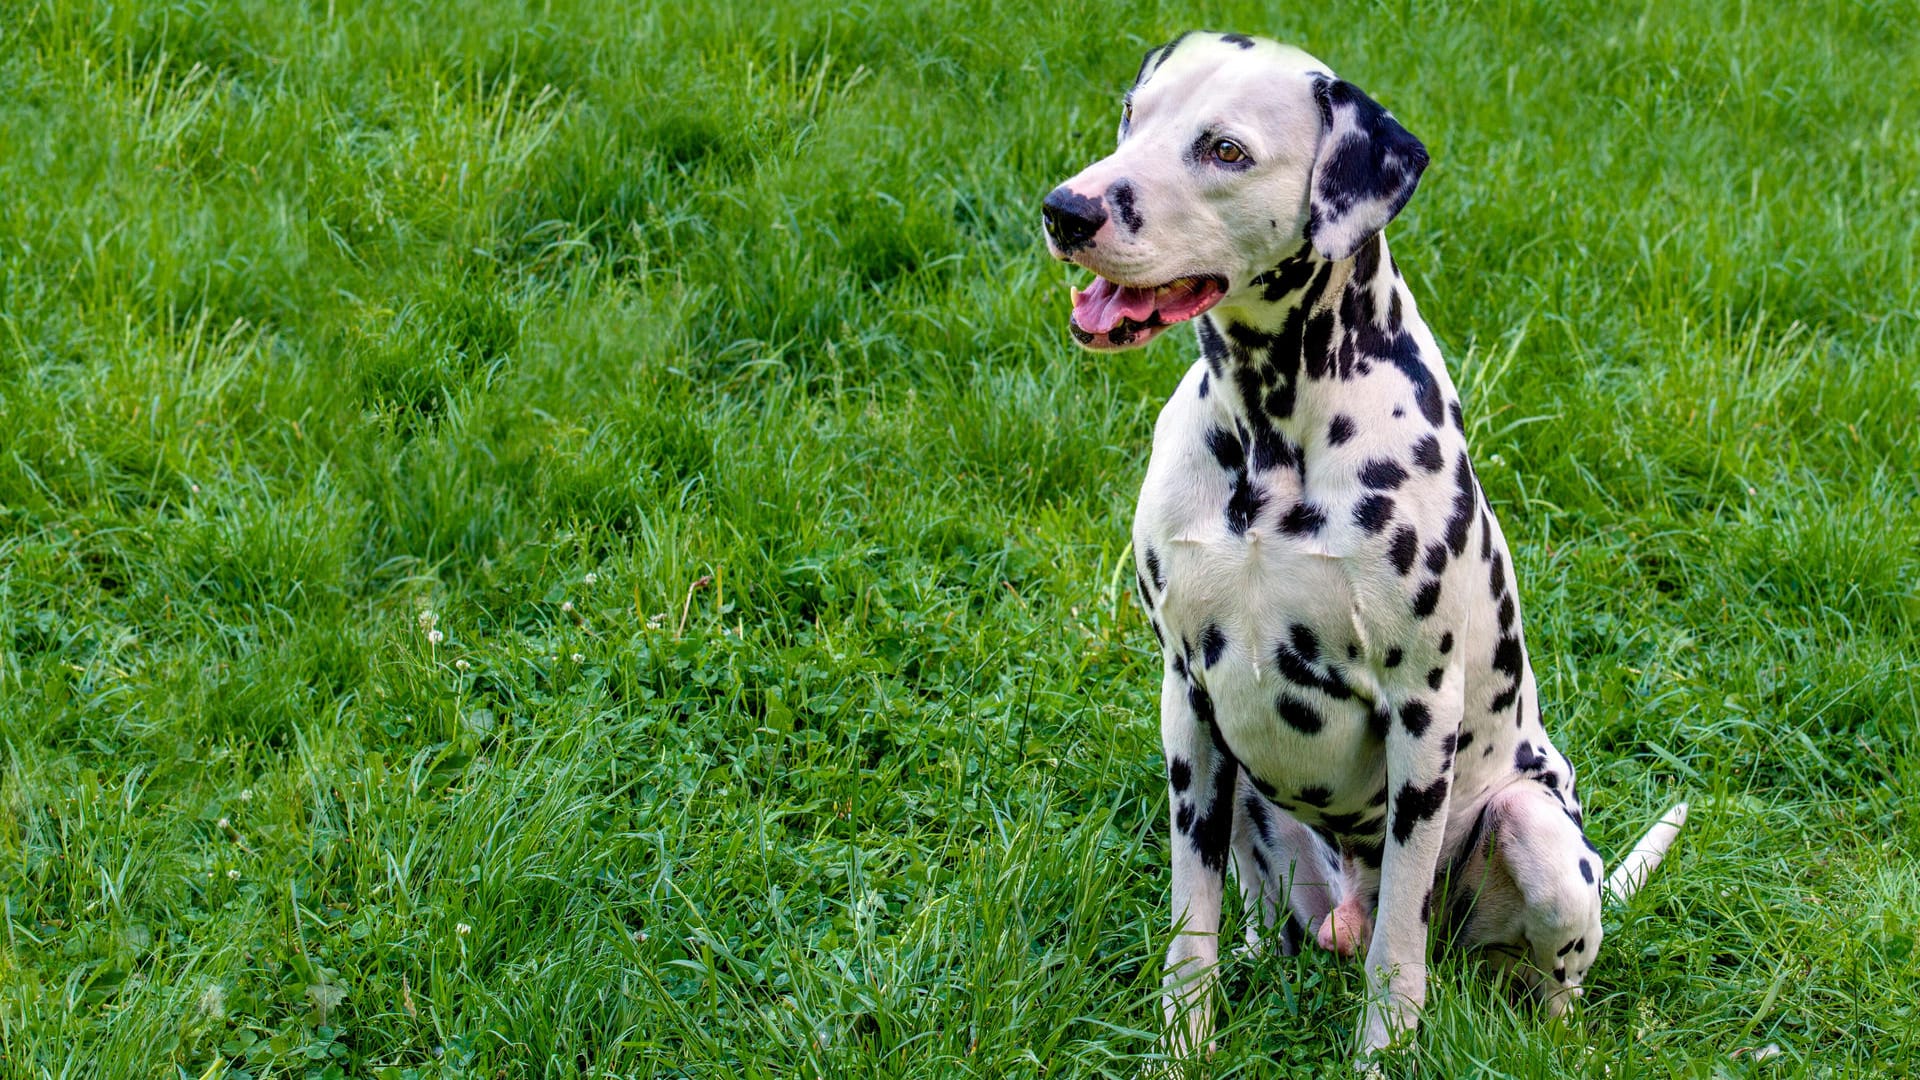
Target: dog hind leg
(1289,878)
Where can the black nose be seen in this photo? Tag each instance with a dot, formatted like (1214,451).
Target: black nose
(1072,219)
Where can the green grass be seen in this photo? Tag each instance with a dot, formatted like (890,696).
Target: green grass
(701,372)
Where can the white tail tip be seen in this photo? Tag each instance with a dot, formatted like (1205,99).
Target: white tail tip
(1634,870)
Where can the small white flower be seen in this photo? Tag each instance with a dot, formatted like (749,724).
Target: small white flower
(592,577)
(246,794)
(224,823)
(428,620)
(460,665)
(233,875)
(578,658)
(435,637)
(462,929)
(566,607)
(195,488)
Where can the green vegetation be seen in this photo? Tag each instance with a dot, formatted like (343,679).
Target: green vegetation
(697,378)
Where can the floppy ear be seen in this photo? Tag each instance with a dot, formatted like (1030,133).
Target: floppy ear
(1367,169)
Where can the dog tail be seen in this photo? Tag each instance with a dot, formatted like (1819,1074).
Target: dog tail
(1634,870)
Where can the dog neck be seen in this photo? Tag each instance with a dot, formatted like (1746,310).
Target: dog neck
(1282,355)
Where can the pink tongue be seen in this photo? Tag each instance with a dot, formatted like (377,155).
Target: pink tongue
(1103,304)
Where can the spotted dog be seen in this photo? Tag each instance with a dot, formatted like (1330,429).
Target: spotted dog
(1347,708)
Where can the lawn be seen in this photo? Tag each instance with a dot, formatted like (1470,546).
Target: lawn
(572,540)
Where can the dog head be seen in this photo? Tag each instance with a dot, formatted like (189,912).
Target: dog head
(1233,153)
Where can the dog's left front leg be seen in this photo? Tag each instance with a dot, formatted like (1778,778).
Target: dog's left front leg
(1201,776)
(1420,744)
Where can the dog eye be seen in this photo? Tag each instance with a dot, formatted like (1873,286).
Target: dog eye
(1126,112)
(1229,151)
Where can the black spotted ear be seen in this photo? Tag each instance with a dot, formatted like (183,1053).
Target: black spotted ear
(1367,169)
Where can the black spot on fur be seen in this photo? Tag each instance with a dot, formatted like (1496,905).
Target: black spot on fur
(1339,430)
(1151,62)
(1394,656)
(1342,824)
(1298,714)
(1377,723)
(1586,871)
(1427,599)
(1244,505)
(1415,718)
(1426,906)
(1497,577)
(1227,449)
(1153,569)
(1426,454)
(1446,643)
(1304,519)
(1213,831)
(1241,40)
(1526,759)
(1305,641)
(1436,558)
(1121,195)
(1316,796)
(1506,656)
(1403,550)
(1212,643)
(1297,662)
(1257,813)
(1183,820)
(1415,804)
(1373,513)
(1466,740)
(1382,474)
(1461,521)
(1316,349)
(1179,774)
(1459,421)
(1212,346)
(1434,675)
(1289,275)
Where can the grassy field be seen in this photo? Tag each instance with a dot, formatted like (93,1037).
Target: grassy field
(547,540)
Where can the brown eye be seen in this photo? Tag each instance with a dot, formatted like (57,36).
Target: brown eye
(1126,112)
(1229,151)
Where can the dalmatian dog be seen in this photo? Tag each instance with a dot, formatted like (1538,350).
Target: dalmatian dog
(1347,708)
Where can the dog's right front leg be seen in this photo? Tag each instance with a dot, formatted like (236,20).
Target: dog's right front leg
(1201,774)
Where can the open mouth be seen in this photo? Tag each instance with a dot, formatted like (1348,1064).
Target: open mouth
(1111,316)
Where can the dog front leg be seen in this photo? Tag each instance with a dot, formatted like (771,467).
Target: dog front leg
(1420,744)
(1201,775)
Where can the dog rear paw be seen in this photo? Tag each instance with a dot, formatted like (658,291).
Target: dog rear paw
(1346,931)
